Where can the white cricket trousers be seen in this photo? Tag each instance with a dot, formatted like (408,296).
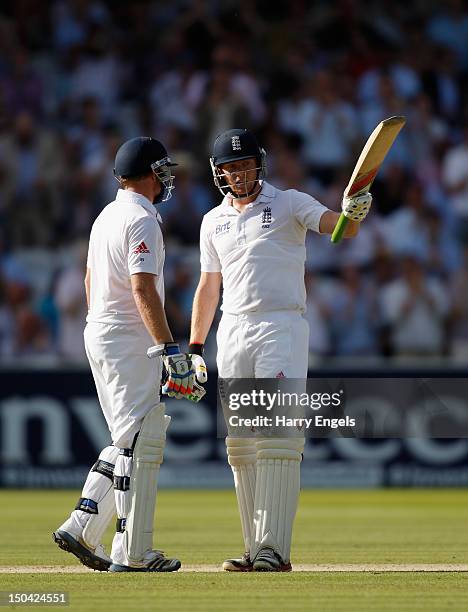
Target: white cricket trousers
(127,382)
(263,345)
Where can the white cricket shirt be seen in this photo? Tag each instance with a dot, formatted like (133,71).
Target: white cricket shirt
(125,239)
(261,251)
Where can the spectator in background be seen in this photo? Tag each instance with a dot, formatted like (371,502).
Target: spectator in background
(442,85)
(403,79)
(406,228)
(22,87)
(171,98)
(71,22)
(317,316)
(289,172)
(449,26)
(31,336)
(354,315)
(415,308)
(444,255)
(189,202)
(98,171)
(328,127)
(32,165)
(459,313)
(426,131)
(455,176)
(70,300)
(180,297)
(221,105)
(7,329)
(87,133)
(388,103)
(98,71)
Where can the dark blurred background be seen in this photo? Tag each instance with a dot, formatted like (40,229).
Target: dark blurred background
(312,79)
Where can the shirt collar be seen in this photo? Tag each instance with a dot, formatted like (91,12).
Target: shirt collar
(124,195)
(266,194)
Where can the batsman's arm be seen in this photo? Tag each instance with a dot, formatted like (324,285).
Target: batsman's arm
(150,307)
(87,283)
(329,219)
(205,303)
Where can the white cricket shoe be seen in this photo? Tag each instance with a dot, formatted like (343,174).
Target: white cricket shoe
(244,564)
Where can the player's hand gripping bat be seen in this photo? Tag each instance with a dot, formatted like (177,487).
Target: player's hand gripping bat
(373,154)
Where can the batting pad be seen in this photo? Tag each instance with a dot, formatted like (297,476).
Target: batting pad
(242,459)
(100,484)
(276,494)
(137,490)
(98,496)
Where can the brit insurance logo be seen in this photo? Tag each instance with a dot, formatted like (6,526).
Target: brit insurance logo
(236,144)
(223,228)
(266,217)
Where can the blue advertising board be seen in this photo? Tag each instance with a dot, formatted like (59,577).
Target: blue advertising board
(52,429)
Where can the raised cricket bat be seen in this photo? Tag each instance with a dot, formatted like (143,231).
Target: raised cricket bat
(372,156)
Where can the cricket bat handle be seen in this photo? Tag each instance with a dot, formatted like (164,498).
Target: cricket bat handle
(339,229)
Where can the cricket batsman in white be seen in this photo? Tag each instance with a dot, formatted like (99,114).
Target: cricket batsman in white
(253,244)
(125,293)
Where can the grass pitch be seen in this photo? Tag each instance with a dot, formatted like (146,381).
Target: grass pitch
(371,528)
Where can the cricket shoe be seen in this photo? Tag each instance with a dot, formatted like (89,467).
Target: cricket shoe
(95,559)
(267,560)
(157,563)
(244,564)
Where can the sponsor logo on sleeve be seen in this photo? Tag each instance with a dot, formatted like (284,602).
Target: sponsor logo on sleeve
(141,248)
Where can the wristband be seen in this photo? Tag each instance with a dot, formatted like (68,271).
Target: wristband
(163,350)
(171,348)
(196,348)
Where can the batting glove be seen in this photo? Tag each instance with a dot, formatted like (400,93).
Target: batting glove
(201,374)
(357,207)
(179,375)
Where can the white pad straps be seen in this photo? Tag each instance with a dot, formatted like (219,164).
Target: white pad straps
(147,457)
(242,459)
(276,494)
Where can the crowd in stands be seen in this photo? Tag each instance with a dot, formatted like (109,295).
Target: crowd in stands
(312,79)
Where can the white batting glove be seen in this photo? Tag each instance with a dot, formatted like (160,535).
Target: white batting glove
(357,208)
(180,376)
(201,376)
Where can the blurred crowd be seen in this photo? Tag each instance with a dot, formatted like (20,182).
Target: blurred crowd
(312,79)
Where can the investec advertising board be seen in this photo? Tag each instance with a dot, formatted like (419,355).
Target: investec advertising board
(52,429)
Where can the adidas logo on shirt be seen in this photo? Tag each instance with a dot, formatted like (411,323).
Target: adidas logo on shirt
(141,248)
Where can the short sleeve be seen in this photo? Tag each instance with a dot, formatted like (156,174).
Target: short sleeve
(209,259)
(142,246)
(307,210)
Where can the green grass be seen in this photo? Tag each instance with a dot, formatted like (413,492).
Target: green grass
(390,526)
(227,592)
